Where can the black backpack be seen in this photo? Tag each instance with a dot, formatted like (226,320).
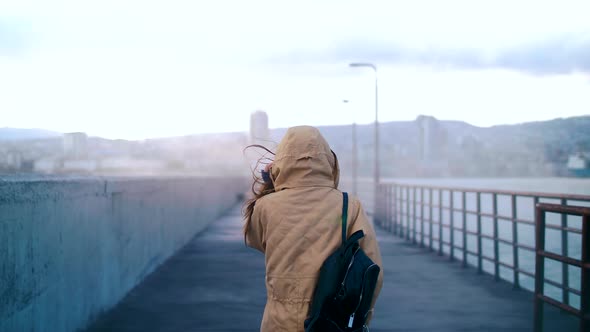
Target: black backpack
(344,291)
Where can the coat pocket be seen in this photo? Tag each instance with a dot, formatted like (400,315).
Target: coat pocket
(290,289)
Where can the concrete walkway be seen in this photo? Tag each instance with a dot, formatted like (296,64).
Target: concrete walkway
(215,283)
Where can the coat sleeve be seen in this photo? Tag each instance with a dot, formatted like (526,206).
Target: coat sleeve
(255,231)
(369,244)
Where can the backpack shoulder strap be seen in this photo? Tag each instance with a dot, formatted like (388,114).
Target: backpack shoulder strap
(344,215)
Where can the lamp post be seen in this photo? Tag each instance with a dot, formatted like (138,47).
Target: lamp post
(354,154)
(376,167)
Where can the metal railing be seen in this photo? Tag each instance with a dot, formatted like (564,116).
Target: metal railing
(492,230)
(583,313)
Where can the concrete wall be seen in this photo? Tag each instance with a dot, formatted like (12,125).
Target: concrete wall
(72,248)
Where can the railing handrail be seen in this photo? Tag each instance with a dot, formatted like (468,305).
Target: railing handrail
(568,209)
(546,195)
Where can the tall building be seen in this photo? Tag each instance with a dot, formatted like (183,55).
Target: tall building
(259,133)
(432,140)
(75,145)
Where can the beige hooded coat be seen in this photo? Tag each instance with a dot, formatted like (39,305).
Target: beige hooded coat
(299,226)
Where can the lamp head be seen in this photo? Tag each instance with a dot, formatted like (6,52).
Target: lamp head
(362,64)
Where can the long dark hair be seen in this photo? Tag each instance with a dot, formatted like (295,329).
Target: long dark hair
(259,188)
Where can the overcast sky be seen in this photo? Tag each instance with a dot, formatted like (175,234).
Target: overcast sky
(138,69)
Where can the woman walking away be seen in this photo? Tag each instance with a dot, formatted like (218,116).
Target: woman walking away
(295,221)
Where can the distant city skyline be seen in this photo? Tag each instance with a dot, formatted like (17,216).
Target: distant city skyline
(137,70)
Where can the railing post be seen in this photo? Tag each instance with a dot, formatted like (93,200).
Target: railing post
(564,252)
(539,267)
(479,253)
(407,213)
(384,221)
(464,204)
(515,242)
(388,207)
(376,205)
(391,207)
(414,216)
(395,209)
(422,216)
(382,202)
(440,223)
(585,296)
(377,201)
(384,206)
(452,222)
(430,218)
(401,211)
(496,246)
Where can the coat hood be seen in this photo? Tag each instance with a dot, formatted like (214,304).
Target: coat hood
(304,159)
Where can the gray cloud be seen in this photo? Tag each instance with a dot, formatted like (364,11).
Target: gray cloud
(553,56)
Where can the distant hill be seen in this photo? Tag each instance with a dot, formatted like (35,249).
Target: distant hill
(14,134)
(456,148)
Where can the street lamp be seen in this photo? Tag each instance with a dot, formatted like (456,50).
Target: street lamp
(376,169)
(354,153)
